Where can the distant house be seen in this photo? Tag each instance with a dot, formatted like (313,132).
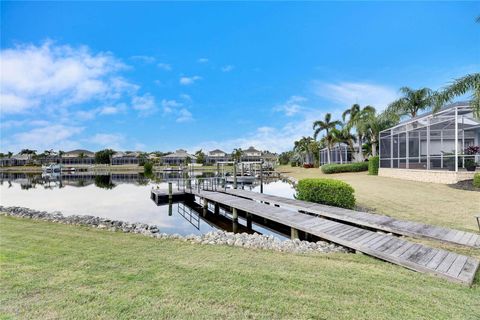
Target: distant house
(270,159)
(125,158)
(16,160)
(251,154)
(217,155)
(178,157)
(78,157)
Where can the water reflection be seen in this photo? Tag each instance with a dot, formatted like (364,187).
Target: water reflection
(126,196)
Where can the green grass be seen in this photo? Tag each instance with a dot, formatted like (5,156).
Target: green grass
(430,203)
(51,270)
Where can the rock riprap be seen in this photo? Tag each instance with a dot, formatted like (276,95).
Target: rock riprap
(245,240)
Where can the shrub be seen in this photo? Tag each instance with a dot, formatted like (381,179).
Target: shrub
(326,191)
(476,180)
(373,164)
(348,167)
(147,167)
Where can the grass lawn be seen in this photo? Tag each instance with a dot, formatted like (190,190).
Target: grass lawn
(425,202)
(51,270)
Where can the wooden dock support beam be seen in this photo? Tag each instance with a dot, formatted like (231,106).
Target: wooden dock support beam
(234,214)
(261,176)
(170,192)
(205,203)
(217,208)
(293,233)
(235,175)
(249,220)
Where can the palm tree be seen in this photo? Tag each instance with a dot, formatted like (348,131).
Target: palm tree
(352,113)
(468,83)
(60,155)
(325,125)
(372,126)
(412,102)
(237,154)
(303,147)
(356,114)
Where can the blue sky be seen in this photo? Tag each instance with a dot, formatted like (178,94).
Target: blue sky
(162,76)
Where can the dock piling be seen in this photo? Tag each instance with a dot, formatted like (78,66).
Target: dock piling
(293,233)
(170,192)
(234,214)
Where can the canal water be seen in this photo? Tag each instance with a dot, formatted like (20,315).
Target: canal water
(126,197)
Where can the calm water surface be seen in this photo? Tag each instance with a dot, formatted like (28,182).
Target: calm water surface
(123,197)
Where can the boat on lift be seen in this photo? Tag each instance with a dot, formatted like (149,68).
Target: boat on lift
(52,167)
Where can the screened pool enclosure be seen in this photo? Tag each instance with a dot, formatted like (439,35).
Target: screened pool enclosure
(338,154)
(445,140)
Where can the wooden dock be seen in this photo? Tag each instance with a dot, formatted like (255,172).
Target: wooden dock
(160,196)
(373,221)
(418,257)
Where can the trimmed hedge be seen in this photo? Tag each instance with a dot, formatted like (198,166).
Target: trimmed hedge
(326,191)
(348,167)
(476,180)
(373,164)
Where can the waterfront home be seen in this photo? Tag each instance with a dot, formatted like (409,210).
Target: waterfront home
(217,155)
(432,147)
(179,157)
(78,157)
(270,159)
(125,158)
(251,154)
(16,160)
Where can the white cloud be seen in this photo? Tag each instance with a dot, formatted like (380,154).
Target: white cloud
(275,139)
(186,97)
(110,110)
(57,76)
(23,123)
(144,59)
(202,60)
(292,106)
(348,93)
(189,80)
(169,105)
(108,140)
(144,104)
(184,116)
(164,66)
(44,138)
(227,68)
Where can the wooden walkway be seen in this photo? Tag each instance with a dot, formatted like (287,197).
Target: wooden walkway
(374,221)
(418,257)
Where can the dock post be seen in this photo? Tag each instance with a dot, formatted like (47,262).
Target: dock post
(205,203)
(170,192)
(217,208)
(261,176)
(249,220)
(235,174)
(234,214)
(235,227)
(293,233)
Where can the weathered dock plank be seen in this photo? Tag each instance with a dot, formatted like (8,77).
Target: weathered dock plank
(414,256)
(375,221)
